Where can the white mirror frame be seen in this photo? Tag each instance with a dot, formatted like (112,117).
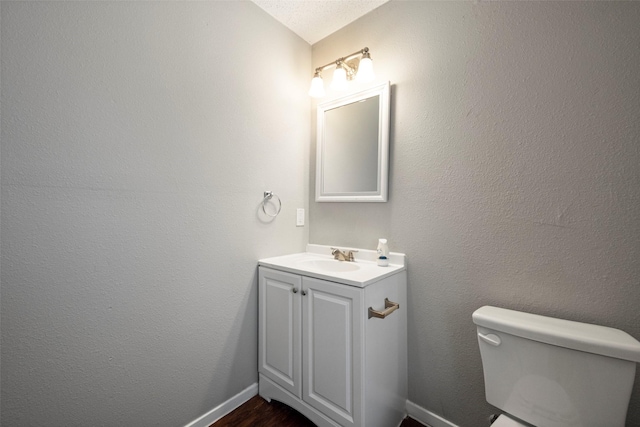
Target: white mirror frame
(381,193)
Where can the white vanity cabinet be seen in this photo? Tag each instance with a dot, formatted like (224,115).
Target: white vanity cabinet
(321,354)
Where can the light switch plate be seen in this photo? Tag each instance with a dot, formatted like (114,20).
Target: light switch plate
(300,217)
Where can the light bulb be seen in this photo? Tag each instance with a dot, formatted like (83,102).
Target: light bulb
(339,81)
(317,87)
(365,70)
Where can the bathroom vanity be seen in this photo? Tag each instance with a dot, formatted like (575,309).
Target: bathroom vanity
(333,337)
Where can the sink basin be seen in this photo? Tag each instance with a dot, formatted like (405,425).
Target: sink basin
(329,265)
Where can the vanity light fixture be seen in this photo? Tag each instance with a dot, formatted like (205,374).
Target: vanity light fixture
(339,81)
(317,86)
(357,65)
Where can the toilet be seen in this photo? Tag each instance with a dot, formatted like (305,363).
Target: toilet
(548,372)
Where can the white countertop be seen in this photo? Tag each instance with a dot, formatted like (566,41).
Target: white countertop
(363,271)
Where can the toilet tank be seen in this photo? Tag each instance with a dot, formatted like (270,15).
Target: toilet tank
(556,373)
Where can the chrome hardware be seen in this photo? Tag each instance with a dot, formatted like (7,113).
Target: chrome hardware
(303,293)
(491,339)
(268,195)
(389,306)
(295,290)
(347,255)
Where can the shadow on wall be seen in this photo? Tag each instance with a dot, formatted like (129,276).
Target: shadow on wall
(239,351)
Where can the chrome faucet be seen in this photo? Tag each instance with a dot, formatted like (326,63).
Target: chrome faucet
(347,255)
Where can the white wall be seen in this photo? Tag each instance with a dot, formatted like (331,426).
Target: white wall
(137,139)
(515,174)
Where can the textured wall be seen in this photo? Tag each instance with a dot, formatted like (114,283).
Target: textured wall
(515,174)
(137,139)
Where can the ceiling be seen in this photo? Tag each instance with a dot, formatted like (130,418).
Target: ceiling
(313,20)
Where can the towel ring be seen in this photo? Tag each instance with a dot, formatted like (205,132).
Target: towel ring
(268,195)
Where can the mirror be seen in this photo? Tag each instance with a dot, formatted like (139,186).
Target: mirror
(353,147)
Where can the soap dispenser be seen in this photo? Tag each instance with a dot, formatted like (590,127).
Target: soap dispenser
(383,253)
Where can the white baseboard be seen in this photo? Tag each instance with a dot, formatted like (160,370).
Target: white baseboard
(225,407)
(418,413)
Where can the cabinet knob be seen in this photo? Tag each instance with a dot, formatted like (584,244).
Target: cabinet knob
(303,293)
(295,290)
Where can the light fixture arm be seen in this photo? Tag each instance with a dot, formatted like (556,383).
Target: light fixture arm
(342,60)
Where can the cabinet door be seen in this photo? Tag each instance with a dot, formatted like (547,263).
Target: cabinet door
(279,328)
(332,349)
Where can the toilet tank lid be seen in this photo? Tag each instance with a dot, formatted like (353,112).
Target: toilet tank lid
(564,333)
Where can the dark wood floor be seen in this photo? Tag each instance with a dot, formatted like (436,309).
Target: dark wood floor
(257,412)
